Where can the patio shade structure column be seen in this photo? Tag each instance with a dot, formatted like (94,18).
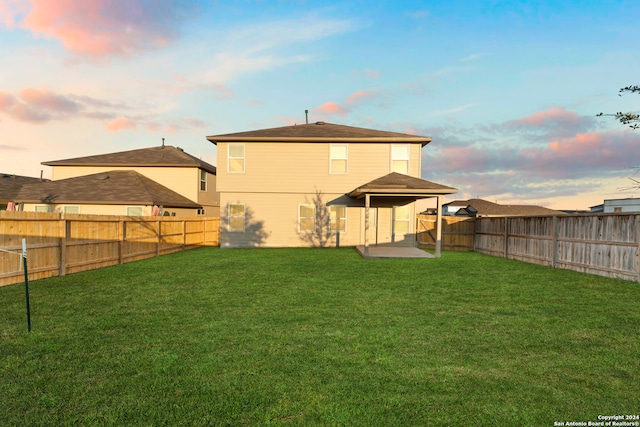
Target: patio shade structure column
(438,226)
(367,206)
(400,189)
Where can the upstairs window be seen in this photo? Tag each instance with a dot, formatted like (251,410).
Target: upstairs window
(236,158)
(339,157)
(400,159)
(236,216)
(203,180)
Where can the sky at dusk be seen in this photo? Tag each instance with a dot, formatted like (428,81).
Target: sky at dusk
(508,90)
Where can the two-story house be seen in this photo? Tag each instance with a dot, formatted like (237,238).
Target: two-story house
(147,181)
(320,184)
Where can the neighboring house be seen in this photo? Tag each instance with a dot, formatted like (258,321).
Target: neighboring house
(116,192)
(170,167)
(480,208)
(10,186)
(621,205)
(320,184)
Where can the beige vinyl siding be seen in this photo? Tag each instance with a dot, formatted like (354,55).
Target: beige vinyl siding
(184,181)
(209,199)
(271,220)
(304,167)
(279,177)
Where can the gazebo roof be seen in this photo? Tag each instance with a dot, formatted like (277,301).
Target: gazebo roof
(397,184)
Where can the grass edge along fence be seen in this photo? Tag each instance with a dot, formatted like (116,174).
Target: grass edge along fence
(61,244)
(603,244)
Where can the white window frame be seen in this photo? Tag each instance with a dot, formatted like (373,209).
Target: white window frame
(333,217)
(129,208)
(38,208)
(313,217)
(333,156)
(64,209)
(395,157)
(243,216)
(203,180)
(201,211)
(230,157)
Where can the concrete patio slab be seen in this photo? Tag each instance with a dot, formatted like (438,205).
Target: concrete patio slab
(394,252)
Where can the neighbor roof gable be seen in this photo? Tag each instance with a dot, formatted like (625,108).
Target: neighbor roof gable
(164,156)
(482,207)
(120,187)
(10,185)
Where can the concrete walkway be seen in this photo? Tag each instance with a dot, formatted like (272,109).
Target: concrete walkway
(394,252)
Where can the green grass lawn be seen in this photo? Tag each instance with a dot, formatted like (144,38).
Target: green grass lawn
(319,337)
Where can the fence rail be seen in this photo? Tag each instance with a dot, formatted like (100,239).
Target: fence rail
(60,244)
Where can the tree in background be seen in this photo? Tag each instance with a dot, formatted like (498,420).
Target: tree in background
(631,119)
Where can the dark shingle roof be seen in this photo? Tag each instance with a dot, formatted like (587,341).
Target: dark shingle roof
(318,132)
(10,185)
(108,188)
(167,156)
(400,184)
(480,207)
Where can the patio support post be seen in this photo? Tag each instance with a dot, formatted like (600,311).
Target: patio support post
(438,226)
(367,205)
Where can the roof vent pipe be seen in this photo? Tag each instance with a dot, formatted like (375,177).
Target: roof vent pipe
(162,142)
(306,116)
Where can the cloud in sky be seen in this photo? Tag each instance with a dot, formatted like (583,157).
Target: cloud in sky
(99,28)
(554,120)
(353,101)
(38,106)
(482,164)
(42,105)
(265,46)
(332,108)
(121,123)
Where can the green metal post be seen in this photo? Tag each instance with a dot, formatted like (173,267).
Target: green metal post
(26,283)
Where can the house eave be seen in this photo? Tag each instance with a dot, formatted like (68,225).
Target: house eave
(374,140)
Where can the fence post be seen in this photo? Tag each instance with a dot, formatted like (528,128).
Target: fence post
(506,237)
(204,231)
(476,224)
(637,224)
(122,238)
(554,241)
(159,239)
(184,234)
(65,234)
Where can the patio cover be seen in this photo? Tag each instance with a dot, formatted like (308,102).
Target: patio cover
(404,189)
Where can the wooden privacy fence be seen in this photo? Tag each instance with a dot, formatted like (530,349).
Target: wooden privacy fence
(60,244)
(457,232)
(603,244)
